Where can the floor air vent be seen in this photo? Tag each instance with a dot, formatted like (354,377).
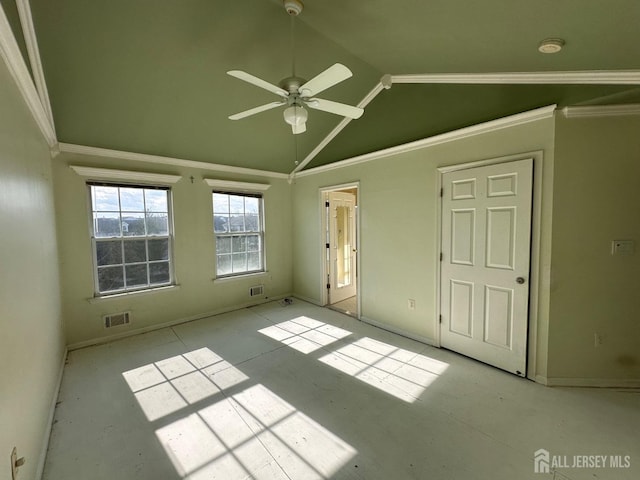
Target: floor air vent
(116,319)
(256,291)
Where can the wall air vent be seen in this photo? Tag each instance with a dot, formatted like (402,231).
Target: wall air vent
(115,319)
(256,291)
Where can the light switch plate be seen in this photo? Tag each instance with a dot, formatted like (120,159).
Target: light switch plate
(623,247)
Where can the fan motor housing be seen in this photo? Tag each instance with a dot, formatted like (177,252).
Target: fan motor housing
(292,84)
(293,7)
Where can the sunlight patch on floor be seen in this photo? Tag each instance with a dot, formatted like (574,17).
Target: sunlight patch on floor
(252,433)
(401,373)
(169,385)
(305,334)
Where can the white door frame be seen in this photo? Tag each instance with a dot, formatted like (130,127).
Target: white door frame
(535,275)
(324,298)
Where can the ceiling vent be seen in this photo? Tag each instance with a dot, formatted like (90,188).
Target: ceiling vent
(116,319)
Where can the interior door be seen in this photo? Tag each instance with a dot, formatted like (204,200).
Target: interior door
(342,250)
(486,236)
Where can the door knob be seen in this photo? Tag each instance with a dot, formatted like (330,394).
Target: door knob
(520,280)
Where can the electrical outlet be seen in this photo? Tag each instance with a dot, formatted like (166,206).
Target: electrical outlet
(411,304)
(15,463)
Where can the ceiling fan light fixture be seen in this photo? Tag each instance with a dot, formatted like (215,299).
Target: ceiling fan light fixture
(295,115)
(551,45)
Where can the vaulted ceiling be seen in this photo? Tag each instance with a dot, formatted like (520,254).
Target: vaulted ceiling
(149,76)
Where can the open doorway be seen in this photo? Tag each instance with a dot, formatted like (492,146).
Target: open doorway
(340,248)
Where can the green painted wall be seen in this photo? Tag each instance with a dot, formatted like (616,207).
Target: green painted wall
(197,295)
(31,343)
(398,238)
(596,200)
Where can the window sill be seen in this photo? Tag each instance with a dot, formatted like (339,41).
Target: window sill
(240,277)
(137,293)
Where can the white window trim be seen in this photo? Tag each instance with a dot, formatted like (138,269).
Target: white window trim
(231,276)
(240,187)
(128,176)
(97,295)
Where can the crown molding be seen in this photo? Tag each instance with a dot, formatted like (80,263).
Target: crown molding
(12,57)
(343,123)
(587,77)
(93,173)
(601,110)
(28,30)
(481,128)
(236,186)
(158,160)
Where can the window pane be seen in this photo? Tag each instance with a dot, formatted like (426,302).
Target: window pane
(156,201)
(159,272)
(223,245)
(110,278)
(220,203)
(133,224)
(237,223)
(158,249)
(239,244)
(224,264)
(239,262)
(106,224)
(136,275)
(220,223)
(109,253)
(135,251)
(105,199)
(251,205)
(236,204)
(251,223)
(253,261)
(253,243)
(157,224)
(132,199)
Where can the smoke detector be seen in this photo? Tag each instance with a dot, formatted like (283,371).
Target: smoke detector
(551,45)
(293,7)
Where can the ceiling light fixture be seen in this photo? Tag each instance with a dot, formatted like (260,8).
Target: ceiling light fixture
(551,45)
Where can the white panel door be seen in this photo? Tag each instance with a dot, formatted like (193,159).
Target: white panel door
(484,285)
(342,253)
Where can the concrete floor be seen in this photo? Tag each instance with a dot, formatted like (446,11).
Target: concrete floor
(301,392)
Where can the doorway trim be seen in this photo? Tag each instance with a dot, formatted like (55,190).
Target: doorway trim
(324,298)
(538,277)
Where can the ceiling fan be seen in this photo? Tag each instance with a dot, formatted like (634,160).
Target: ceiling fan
(296,93)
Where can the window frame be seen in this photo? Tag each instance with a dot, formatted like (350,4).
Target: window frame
(230,234)
(123,239)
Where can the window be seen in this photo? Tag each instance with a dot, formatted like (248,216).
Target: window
(238,228)
(131,236)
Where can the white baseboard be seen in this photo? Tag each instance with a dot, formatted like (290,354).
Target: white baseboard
(138,331)
(307,299)
(542,380)
(594,382)
(49,425)
(399,331)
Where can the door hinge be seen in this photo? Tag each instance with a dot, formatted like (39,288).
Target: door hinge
(327,245)
(442,192)
(328,286)
(326,204)
(441,256)
(440,319)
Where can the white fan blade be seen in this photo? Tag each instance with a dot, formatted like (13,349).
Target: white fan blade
(335,107)
(296,129)
(330,77)
(255,110)
(247,77)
